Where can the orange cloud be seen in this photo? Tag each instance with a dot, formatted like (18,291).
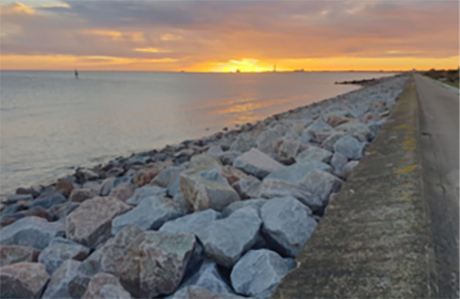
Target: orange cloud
(16,8)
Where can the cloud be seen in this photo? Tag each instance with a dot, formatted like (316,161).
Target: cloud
(194,33)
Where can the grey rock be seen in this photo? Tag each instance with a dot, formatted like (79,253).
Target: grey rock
(296,171)
(17,197)
(248,187)
(204,162)
(145,192)
(267,141)
(57,288)
(205,192)
(314,153)
(32,232)
(191,223)
(348,168)
(60,211)
(289,149)
(349,147)
(329,142)
(250,203)
(243,143)
(151,213)
(167,176)
(256,163)
(215,150)
(13,254)
(107,186)
(209,278)
(272,188)
(105,286)
(154,263)
(321,184)
(58,251)
(196,292)
(304,138)
(48,201)
(227,239)
(317,126)
(338,161)
(123,191)
(93,185)
(23,280)
(356,129)
(227,158)
(259,272)
(287,225)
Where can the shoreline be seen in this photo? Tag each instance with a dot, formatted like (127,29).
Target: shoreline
(217,207)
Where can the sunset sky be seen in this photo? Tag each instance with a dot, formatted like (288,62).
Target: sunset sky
(215,36)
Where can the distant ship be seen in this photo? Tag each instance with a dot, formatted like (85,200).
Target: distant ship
(299,71)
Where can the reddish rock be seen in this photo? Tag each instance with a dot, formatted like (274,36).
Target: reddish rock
(336,120)
(13,254)
(231,174)
(80,195)
(145,175)
(123,191)
(64,186)
(23,280)
(105,286)
(91,222)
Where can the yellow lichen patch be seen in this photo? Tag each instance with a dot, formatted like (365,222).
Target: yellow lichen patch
(403,127)
(371,153)
(409,141)
(410,133)
(410,147)
(406,169)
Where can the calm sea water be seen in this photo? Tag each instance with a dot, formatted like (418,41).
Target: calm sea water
(51,121)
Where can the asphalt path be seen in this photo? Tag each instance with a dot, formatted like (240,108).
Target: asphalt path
(439,124)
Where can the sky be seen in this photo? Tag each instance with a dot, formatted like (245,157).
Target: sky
(223,36)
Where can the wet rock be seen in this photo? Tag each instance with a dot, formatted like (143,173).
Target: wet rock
(32,232)
(145,192)
(243,143)
(145,175)
(196,292)
(107,257)
(123,191)
(314,153)
(287,225)
(247,187)
(250,203)
(202,193)
(91,222)
(348,168)
(256,163)
(349,147)
(295,172)
(80,195)
(154,263)
(151,213)
(105,286)
(58,251)
(329,142)
(23,280)
(321,184)
(209,278)
(10,199)
(227,158)
(57,288)
(227,239)
(259,272)
(272,188)
(267,142)
(13,254)
(356,129)
(48,201)
(191,223)
(338,161)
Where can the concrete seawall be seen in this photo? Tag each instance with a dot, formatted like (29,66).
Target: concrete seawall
(375,239)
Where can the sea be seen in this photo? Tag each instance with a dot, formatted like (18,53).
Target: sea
(52,122)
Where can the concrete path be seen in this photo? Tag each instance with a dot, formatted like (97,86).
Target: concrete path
(439,125)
